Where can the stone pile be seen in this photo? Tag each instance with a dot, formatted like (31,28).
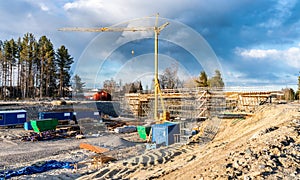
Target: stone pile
(268,156)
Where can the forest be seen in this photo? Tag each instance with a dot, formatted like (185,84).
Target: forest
(31,68)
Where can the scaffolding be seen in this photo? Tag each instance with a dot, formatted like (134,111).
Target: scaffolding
(180,103)
(186,106)
(190,107)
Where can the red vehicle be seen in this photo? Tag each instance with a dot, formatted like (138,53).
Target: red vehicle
(102,96)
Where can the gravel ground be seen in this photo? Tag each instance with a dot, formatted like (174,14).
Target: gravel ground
(15,154)
(264,146)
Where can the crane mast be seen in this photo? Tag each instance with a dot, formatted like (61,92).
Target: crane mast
(157,29)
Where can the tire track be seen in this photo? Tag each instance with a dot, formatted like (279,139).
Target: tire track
(127,168)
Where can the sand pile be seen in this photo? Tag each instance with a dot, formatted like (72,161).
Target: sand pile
(265,146)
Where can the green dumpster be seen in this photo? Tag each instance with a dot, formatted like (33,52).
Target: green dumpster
(143,131)
(44,124)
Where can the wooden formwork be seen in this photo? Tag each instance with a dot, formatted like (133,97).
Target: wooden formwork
(196,103)
(247,101)
(180,103)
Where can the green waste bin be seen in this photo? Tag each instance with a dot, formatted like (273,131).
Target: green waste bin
(143,131)
(43,124)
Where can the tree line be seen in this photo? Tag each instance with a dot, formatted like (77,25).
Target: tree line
(168,79)
(290,94)
(31,68)
(215,81)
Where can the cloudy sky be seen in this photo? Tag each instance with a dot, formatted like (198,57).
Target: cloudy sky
(251,42)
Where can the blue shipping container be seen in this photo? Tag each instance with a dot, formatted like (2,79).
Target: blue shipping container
(87,114)
(56,115)
(164,133)
(12,117)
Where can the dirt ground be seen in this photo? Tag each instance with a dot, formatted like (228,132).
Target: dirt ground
(265,145)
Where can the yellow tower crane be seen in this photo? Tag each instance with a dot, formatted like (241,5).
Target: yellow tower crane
(157,29)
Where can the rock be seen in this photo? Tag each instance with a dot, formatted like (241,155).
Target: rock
(285,163)
(261,166)
(241,162)
(247,178)
(229,165)
(246,168)
(275,151)
(248,151)
(236,164)
(296,148)
(255,136)
(238,172)
(268,169)
(271,163)
(287,141)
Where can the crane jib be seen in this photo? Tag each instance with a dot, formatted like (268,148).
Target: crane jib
(157,29)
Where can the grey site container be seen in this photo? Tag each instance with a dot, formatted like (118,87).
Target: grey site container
(164,133)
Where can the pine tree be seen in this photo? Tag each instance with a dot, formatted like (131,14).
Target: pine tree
(216,80)
(299,82)
(5,57)
(2,71)
(9,62)
(297,95)
(46,67)
(140,86)
(202,81)
(12,64)
(77,85)
(22,64)
(28,55)
(63,62)
(29,68)
(19,46)
(289,94)
(132,89)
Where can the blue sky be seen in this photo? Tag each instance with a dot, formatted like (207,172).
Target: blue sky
(255,42)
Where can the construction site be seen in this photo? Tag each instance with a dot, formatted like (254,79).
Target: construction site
(182,133)
(197,103)
(211,134)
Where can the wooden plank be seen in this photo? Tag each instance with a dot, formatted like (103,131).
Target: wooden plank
(93,148)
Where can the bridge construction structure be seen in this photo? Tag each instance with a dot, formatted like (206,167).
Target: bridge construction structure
(196,103)
(197,107)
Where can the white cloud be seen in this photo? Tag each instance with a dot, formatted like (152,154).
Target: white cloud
(84,4)
(281,12)
(114,11)
(290,56)
(44,7)
(46,16)
(259,53)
